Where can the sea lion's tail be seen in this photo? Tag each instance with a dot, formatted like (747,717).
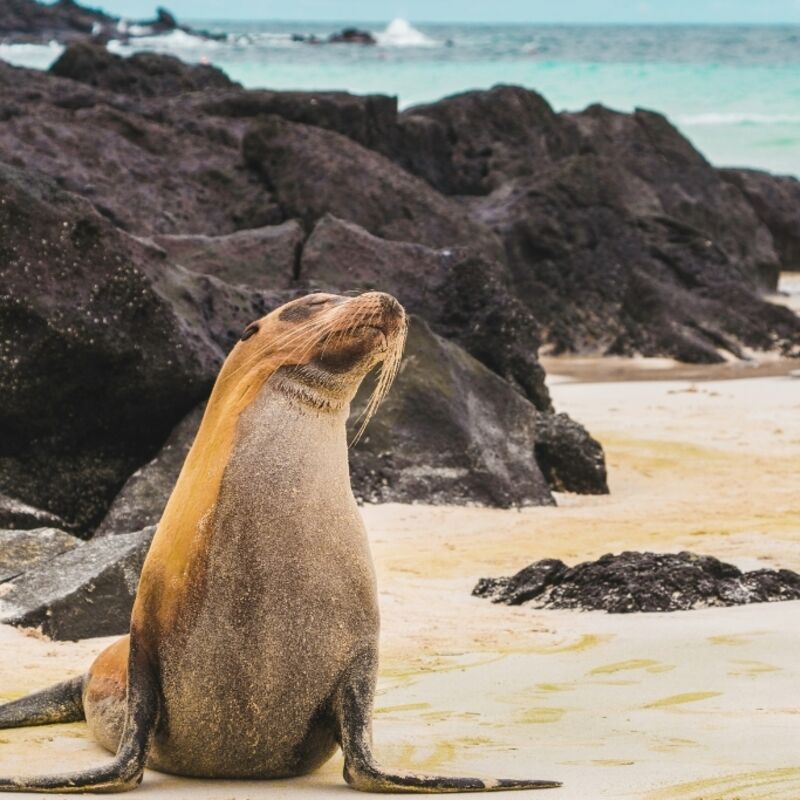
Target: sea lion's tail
(60,703)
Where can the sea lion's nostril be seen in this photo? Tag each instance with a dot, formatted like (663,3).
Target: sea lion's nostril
(390,305)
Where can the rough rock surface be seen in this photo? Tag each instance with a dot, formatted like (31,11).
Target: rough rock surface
(86,591)
(630,581)
(17,515)
(569,458)
(21,551)
(450,431)
(96,365)
(464,296)
(65,21)
(264,258)
(582,214)
(313,172)
(141,500)
(144,74)
(145,165)
(776,201)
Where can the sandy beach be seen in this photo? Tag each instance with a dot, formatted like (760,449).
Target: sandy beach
(687,706)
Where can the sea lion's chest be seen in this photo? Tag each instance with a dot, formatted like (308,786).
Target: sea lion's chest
(282,596)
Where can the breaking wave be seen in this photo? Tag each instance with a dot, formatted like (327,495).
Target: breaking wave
(400,33)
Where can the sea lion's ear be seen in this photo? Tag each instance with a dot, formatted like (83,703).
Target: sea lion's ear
(249,331)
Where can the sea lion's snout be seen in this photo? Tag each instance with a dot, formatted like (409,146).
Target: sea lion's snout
(382,311)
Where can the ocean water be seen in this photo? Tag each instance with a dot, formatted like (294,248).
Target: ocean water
(733,90)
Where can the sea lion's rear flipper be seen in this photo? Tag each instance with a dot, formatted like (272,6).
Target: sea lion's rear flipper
(362,772)
(60,703)
(125,771)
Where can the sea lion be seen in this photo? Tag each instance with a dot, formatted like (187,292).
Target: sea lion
(253,646)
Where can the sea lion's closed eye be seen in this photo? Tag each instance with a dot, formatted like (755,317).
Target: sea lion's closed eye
(249,331)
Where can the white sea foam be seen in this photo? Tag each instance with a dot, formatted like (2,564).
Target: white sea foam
(34,56)
(400,33)
(737,118)
(176,40)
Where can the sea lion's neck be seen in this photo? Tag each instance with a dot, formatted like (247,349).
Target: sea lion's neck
(302,386)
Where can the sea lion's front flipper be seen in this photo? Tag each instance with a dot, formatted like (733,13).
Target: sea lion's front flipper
(362,772)
(125,771)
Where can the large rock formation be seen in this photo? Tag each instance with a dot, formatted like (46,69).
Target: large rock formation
(145,74)
(96,365)
(144,169)
(776,201)
(450,431)
(66,21)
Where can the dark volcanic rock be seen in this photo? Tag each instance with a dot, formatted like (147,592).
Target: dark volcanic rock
(17,515)
(450,431)
(602,268)
(352,36)
(570,459)
(672,179)
(370,119)
(84,592)
(464,296)
(776,200)
(142,74)
(640,582)
(64,20)
(21,551)
(96,365)
(313,172)
(264,258)
(141,167)
(141,501)
(493,136)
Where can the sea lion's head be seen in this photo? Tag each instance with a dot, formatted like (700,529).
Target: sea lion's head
(326,344)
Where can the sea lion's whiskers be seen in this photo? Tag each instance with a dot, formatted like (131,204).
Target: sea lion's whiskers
(388,372)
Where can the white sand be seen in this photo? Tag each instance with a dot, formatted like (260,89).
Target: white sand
(687,706)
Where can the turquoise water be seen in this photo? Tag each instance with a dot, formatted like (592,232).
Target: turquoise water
(734,91)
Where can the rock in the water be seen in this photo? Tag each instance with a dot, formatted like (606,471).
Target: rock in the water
(621,584)
(17,515)
(24,21)
(65,21)
(352,36)
(264,258)
(776,200)
(143,74)
(450,431)
(87,591)
(142,499)
(21,551)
